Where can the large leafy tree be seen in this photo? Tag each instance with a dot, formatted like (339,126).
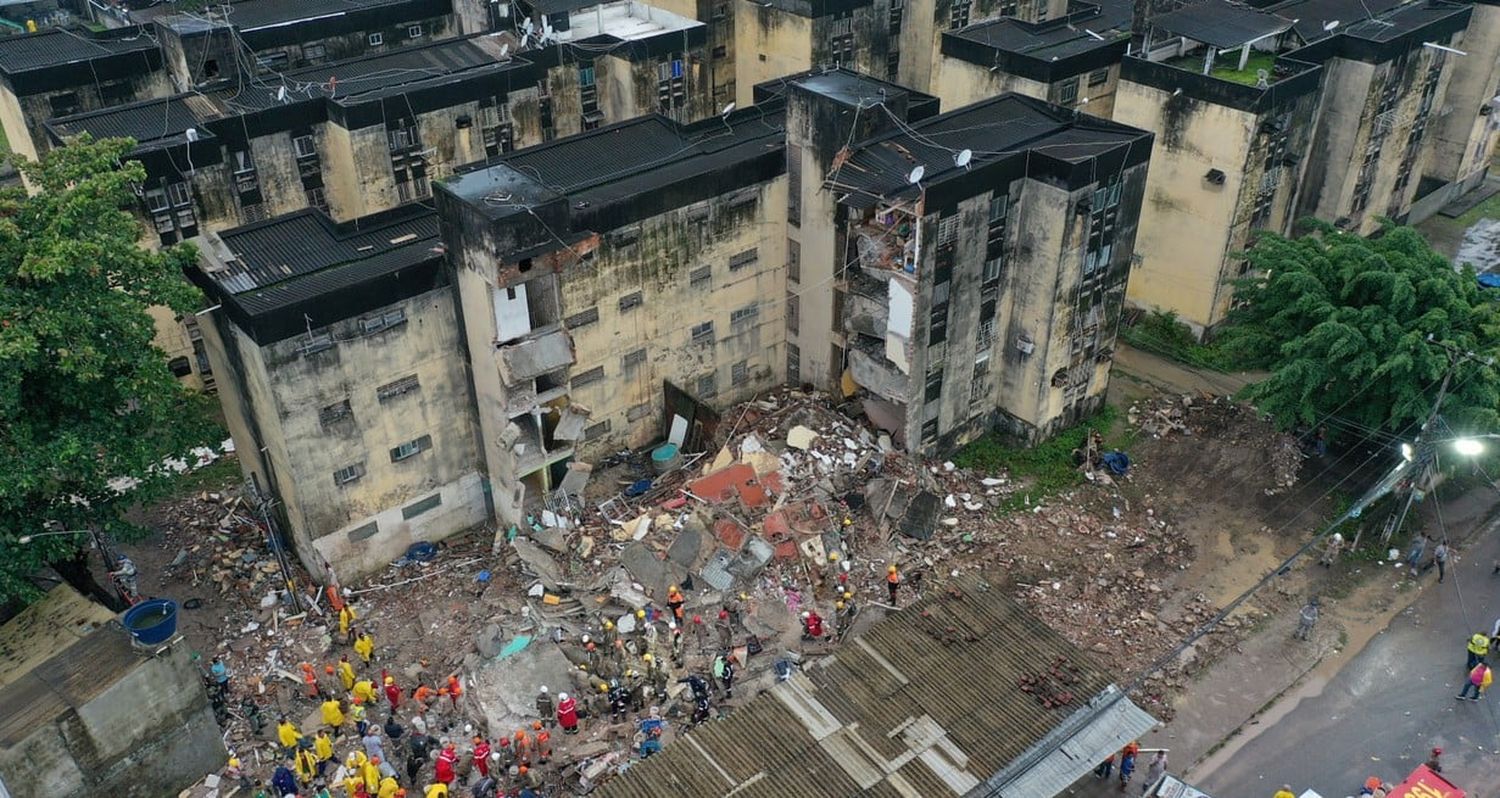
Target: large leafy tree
(85,396)
(1363,328)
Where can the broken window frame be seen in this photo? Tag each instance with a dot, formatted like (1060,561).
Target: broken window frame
(348,474)
(397,388)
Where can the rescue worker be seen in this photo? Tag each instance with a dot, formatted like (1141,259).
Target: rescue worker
(676,644)
(388,787)
(437,790)
(333,715)
(1478,682)
(310,678)
(700,633)
(675,601)
(1306,618)
(892,581)
(1479,648)
(543,742)
(364,646)
(346,623)
(651,729)
(357,714)
(544,705)
(346,672)
(392,692)
(812,625)
(305,763)
(607,635)
(370,772)
(619,700)
(288,735)
(1332,550)
(283,782)
(567,713)
(364,691)
(447,762)
(724,628)
(455,689)
(323,750)
(417,748)
(125,575)
(424,696)
(521,745)
(723,670)
(482,753)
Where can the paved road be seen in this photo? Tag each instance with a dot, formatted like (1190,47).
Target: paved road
(1380,713)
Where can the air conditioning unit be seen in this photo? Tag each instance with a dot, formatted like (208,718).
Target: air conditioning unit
(1215,176)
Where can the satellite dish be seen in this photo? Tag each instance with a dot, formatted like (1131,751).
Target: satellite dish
(281,94)
(728,109)
(1330,25)
(962,159)
(191,133)
(504,49)
(916,174)
(527,27)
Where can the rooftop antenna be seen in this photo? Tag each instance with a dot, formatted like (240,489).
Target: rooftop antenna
(1329,26)
(724,116)
(1093,34)
(1444,48)
(962,159)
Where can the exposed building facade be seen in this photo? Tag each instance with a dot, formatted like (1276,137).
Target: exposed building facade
(1462,141)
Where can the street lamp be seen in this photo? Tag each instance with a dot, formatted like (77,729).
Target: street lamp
(1468,447)
(24,539)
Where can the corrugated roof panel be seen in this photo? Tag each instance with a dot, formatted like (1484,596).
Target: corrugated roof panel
(56,47)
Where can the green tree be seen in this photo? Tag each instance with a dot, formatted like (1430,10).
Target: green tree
(85,396)
(1343,323)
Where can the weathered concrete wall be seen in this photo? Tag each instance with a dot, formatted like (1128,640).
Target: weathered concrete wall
(769,43)
(1462,140)
(958,83)
(149,734)
(439,410)
(24,120)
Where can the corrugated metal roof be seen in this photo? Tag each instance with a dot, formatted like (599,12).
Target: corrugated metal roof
(929,699)
(299,244)
(60,46)
(70,679)
(1221,24)
(145,122)
(1059,38)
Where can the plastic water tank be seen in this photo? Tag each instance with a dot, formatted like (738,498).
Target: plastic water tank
(665,457)
(152,622)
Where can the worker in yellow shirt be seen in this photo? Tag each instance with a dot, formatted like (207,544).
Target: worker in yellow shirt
(353,783)
(346,672)
(323,748)
(346,623)
(333,714)
(357,713)
(1284,792)
(287,734)
(388,787)
(364,645)
(305,764)
(438,790)
(364,691)
(371,772)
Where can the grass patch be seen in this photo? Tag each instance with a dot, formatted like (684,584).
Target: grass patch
(1047,467)
(1162,334)
(1227,66)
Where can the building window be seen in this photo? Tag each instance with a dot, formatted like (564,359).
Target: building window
(303,146)
(400,387)
(596,431)
(793,261)
(413,31)
(582,319)
(633,359)
(314,344)
(1067,92)
(630,301)
(742,317)
(364,532)
(958,14)
(376,39)
(742,259)
(374,324)
(316,198)
(348,474)
(708,386)
(701,277)
(638,412)
(932,389)
(937,329)
(1099,77)
(739,373)
(794,184)
(793,313)
(589,377)
(179,194)
(416,508)
(671,86)
(411,448)
(276,61)
(793,364)
(892,62)
(947,230)
(180,367)
(334,413)
(841,41)
(314,52)
(703,333)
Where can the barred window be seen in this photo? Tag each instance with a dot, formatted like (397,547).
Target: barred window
(595,431)
(348,474)
(701,277)
(633,359)
(742,259)
(744,315)
(593,375)
(739,373)
(334,413)
(947,229)
(708,386)
(411,448)
(416,508)
(583,319)
(391,390)
(639,412)
(630,301)
(382,321)
(703,333)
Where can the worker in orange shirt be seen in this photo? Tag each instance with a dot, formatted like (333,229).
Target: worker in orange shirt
(892,581)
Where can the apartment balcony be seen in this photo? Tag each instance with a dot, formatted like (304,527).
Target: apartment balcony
(872,371)
(886,242)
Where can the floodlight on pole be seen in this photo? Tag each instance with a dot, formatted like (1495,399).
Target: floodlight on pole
(1468,447)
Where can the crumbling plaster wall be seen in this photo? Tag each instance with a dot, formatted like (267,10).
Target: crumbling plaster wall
(1462,141)
(769,43)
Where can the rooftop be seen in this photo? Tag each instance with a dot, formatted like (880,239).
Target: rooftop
(152,123)
(57,621)
(885,715)
(1054,39)
(1319,19)
(59,46)
(625,20)
(301,255)
(251,15)
(1221,24)
(992,130)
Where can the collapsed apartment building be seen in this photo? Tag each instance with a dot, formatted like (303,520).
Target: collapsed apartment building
(405,375)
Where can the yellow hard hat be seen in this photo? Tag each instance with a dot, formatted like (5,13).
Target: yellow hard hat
(833,556)
(609,625)
(603,688)
(891,569)
(848,594)
(582,666)
(838,605)
(672,589)
(744,597)
(646,657)
(234,761)
(640,613)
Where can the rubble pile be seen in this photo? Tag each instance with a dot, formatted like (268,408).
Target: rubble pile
(1228,422)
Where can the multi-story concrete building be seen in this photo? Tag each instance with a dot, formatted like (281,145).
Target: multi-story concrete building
(1386,69)
(1233,120)
(624,285)
(777,38)
(1462,140)
(342,378)
(1072,60)
(984,255)
(917,28)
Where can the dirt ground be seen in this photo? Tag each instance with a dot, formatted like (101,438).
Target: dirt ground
(1124,567)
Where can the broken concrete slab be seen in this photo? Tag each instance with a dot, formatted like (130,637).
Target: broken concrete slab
(534,357)
(505,690)
(539,563)
(551,538)
(715,572)
(691,545)
(800,437)
(921,515)
(650,570)
(753,558)
(571,422)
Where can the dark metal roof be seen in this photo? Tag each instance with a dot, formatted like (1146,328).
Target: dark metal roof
(252,14)
(1402,20)
(1221,24)
(938,684)
(148,121)
(1313,16)
(1006,126)
(1054,39)
(306,242)
(70,679)
(60,46)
